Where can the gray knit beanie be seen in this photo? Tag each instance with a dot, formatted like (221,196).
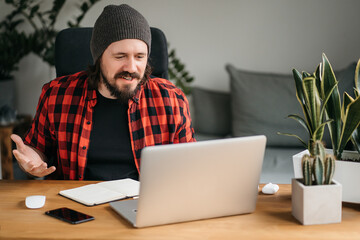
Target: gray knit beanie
(116,23)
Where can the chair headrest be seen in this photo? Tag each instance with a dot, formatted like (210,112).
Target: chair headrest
(72,52)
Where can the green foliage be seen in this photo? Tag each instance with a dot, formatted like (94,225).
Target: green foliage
(16,44)
(356,134)
(317,94)
(313,107)
(318,169)
(346,115)
(178,74)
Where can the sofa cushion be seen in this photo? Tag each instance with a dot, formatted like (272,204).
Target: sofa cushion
(262,101)
(260,104)
(212,112)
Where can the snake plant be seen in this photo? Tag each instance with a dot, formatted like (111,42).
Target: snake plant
(345,115)
(313,107)
(319,97)
(356,134)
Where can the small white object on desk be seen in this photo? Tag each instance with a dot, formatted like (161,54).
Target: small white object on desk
(270,188)
(35,201)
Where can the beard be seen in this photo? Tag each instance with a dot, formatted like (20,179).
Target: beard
(126,93)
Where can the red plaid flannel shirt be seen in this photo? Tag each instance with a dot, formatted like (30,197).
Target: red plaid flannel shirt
(158,113)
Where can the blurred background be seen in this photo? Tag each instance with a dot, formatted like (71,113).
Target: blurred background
(261,35)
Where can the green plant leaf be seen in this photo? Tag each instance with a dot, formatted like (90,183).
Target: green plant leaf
(305,74)
(312,101)
(356,134)
(57,5)
(296,136)
(326,99)
(189,79)
(84,7)
(175,62)
(333,106)
(347,99)
(300,93)
(301,121)
(185,74)
(180,67)
(318,81)
(357,79)
(177,72)
(34,10)
(351,122)
(355,139)
(40,41)
(319,131)
(299,86)
(171,74)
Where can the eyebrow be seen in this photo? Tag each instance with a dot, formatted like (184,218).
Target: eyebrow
(124,53)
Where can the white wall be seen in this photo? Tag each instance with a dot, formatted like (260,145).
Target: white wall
(260,35)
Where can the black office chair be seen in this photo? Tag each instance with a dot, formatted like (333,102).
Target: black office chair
(72,52)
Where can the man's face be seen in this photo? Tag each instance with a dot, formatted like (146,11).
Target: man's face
(122,67)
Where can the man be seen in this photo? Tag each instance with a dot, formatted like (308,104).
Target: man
(93,125)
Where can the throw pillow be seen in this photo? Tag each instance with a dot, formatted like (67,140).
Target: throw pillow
(262,101)
(212,112)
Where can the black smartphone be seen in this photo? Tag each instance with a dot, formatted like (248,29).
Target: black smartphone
(69,215)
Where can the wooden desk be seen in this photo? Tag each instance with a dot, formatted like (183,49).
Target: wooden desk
(271,220)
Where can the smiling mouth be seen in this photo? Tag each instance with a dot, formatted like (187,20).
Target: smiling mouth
(128,78)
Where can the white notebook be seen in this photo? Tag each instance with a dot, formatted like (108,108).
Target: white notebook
(99,193)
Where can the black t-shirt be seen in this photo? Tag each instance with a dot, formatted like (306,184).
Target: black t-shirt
(109,155)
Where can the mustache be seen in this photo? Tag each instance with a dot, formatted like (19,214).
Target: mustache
(127,74)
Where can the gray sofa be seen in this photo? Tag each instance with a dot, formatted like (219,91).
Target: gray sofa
(258,104)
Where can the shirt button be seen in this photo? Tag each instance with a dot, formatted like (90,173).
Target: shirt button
(80,176)
(88,122)
(84,147)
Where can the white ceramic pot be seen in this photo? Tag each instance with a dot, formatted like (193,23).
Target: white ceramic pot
(347,173)
(317,204)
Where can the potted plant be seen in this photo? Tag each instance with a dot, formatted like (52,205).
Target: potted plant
(13,47)
(15,43)
(316,198)
(178,73)
(313,106)
(342,119)
(356,134)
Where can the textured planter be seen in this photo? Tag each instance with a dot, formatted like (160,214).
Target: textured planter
(318,204)
(347,173)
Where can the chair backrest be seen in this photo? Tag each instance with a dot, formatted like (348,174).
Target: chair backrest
(72,52)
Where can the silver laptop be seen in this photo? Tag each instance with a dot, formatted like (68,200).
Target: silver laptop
(192,181)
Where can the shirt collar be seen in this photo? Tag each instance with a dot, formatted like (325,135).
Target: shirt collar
(136,97)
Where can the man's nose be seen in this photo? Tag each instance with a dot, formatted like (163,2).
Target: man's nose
(130,65)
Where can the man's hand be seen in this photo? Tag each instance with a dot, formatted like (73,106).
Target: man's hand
(30,159)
